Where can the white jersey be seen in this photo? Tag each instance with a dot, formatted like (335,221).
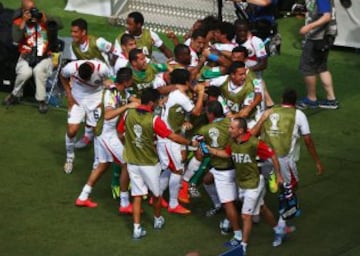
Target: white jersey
(301,128)
(256,50)
(176,98)
(224,47)
(194,58)
(121,62)
(86,92)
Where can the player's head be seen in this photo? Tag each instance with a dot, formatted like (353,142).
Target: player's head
(225,31)
(237,71)
(182,54)
(289,97)
(214,110)
(86,70)
(79,29)
(134,23)
(241,30)
(150,97)
(198,39)
(213,92)
(237,127)
(239,53)
(124,77)
(137,59)
(127,42)
(180,76)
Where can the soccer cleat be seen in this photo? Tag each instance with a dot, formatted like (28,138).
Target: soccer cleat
(213,211)
(115,191)
(225,228)
(85,203)
(159,222)
(329,104)
(139,233)
(68,166)
(126,209)
(273,186)
(233,243)
(179,210)
(183,197)
(10,100)
(164,204)
(83,142)
(193,191)
(290,229)
(305,103)
(43,107)
(278,239)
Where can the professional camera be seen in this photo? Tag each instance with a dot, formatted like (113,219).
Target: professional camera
(35,13)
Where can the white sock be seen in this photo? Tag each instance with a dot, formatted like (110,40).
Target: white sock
(136,226)
(192,167)
(174,187)
(164,180)
(226,222)
(69,143)
(211,190)
(85,192)
(124,199)
(281,222)
(238,234)
(244,246)
(89,132)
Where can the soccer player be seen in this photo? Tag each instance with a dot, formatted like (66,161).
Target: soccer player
(177,107)
(107,144)
(128,43)
(243,149)
(84,98)
(282,127)
(87,47)
(145,39)
(140,126)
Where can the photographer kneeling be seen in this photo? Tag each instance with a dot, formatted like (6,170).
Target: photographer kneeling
(30,32)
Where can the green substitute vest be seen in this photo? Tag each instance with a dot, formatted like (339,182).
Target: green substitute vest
(244,159)
(119,97)
(139,138)
(278,128)
(217,136)
(235,100)
(144,79)
(92,53)
(176,118)
(144,42)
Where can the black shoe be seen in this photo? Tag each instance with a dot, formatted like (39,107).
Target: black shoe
(43,107)
(10,100)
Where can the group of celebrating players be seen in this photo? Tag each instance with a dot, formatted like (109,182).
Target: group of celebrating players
(206,108)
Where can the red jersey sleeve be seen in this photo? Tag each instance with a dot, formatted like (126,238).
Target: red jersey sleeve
(160,127)
(228,150)
(264,151)
(121,124)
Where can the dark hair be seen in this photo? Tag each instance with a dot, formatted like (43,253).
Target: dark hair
(235,65)
(289,96)
(137,17)
(81,23)
(149,94)
(241,49)
(86,69)
(179,76)
(241,123)
(125,38)
(213,91)
(215,108)
(180,49)
(228,29)
(123,75)
(209,23)
(239,22)
(133,54)
(198,33)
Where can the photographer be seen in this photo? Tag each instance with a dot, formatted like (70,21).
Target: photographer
(29,32)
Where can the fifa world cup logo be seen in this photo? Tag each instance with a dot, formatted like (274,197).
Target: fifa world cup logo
(214,135)
(274,118)
(138,132)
